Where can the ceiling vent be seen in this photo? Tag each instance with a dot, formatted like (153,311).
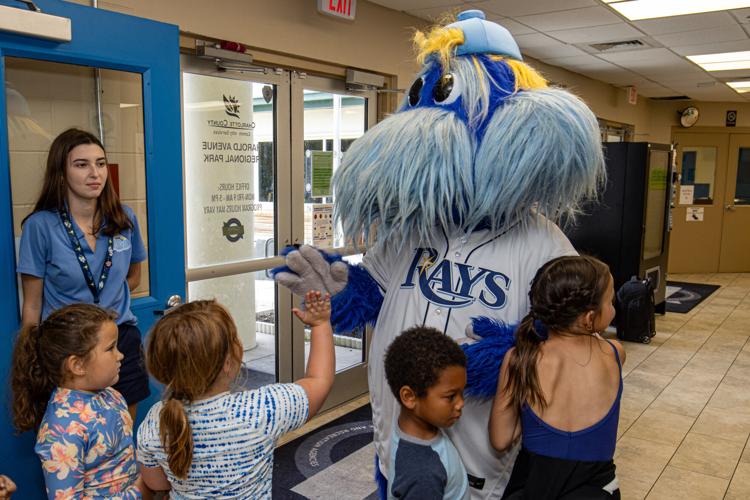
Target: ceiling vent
(620,46)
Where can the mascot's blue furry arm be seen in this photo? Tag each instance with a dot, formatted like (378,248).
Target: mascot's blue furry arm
(485,356)
(355,295)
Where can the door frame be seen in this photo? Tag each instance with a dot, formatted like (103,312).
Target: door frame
(107,40)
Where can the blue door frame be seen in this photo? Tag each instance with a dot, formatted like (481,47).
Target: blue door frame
(114,41)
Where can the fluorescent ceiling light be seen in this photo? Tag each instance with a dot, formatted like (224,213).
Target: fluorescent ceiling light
(723,61)
(636,10)
(741,87)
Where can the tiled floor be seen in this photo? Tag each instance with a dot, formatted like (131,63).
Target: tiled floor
(685,417)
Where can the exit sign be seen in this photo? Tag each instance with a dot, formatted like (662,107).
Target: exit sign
(344,9)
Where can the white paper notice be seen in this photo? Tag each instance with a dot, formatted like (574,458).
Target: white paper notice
(694,214)
(322,219)
(220,159)
(686,195)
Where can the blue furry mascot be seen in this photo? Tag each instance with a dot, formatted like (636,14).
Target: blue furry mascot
(459,190)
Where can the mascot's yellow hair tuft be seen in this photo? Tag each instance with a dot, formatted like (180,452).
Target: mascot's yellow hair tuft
(440,40)
(443,41)
(526,76)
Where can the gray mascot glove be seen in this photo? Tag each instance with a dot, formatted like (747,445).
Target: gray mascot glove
(312,272)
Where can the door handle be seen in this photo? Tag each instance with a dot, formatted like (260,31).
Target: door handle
(731,208)
(172,302)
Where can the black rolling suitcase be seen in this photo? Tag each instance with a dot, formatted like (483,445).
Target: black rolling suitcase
(635,319)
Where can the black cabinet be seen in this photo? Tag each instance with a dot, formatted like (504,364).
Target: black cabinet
(628,227)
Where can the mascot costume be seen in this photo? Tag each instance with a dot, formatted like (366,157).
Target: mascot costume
(459,191)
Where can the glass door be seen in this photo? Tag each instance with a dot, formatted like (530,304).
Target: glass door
(236,142)
(326,119)
(735,236)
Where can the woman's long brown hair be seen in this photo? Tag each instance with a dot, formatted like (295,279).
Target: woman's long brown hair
(39,357)
(186,352)
(54,190)
(562,290)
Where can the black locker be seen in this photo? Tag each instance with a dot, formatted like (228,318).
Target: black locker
(628,227)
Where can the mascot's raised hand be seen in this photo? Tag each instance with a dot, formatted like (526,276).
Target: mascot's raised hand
(308,269)
(461,188)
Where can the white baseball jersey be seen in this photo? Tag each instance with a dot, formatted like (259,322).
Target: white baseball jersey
(443,285)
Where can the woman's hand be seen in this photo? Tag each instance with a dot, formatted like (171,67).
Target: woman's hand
(317,309)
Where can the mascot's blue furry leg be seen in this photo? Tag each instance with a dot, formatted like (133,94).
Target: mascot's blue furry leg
(358,304)
(484,357)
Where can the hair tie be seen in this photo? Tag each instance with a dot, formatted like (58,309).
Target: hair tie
(540,330)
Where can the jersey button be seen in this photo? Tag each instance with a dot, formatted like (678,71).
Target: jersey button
(457,254)
(437,311)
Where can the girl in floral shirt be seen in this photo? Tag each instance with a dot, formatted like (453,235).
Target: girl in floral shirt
(61,377)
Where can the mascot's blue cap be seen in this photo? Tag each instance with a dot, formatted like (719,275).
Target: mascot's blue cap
(484,37)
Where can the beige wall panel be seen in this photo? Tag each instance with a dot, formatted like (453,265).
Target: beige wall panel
(606,101)
(19,214)
(378,40)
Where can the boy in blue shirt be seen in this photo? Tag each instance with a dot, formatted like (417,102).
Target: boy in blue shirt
(426,371)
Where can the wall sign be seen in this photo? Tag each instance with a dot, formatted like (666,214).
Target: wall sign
(694,214)
(687,194)
(322,223)
(731,118)
(344,9)
(322,171)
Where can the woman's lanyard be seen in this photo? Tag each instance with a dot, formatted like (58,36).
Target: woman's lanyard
(96,288)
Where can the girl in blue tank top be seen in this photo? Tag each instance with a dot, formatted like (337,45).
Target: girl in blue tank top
(560,387)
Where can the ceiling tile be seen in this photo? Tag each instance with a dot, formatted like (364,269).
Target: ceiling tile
(548,52)
(712,48)
(657,91)
(712,35)
(615,76)
(415,4)
(657,54)
(597,34)
(569,19)
(581,62)
(677,24)
(535,40)
(514,27)
(514,8)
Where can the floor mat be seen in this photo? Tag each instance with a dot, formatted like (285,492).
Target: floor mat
(682,297)
(333,461)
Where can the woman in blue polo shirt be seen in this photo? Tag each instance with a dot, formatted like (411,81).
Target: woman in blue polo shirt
(81,245)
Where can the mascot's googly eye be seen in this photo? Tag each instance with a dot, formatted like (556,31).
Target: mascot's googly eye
(414,91)
(447,89)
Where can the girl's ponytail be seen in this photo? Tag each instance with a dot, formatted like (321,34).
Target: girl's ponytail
(522,382)
(187,351)
(30,383)
(176,436)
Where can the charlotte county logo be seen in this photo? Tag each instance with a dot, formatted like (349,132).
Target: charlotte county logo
(232,106)
(233,230)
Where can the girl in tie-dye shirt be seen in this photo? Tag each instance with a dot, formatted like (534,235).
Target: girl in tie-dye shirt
(61,376)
